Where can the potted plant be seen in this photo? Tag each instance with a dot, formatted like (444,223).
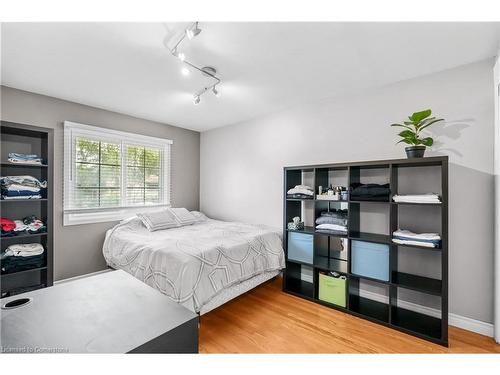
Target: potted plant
(411,135)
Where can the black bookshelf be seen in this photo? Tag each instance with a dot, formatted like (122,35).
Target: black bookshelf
(387,310)
(37,140)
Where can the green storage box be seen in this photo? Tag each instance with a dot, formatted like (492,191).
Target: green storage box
(332,290)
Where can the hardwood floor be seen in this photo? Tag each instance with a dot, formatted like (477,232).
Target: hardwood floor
(266,320)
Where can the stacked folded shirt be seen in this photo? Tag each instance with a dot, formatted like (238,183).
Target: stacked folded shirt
(370,192)
(334,221)
(30,224)
(21,187)
(417,198)
(30,159)
(300,191)
(21,257)
(405,237)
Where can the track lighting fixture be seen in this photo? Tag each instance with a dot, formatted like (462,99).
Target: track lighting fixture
(207,71)
(193,31)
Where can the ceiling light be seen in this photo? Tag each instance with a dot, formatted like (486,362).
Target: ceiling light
(193,31)
(196,100)
(185,71)
(216,92)
(181,56)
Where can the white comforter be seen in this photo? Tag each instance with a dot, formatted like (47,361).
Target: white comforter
(192,264)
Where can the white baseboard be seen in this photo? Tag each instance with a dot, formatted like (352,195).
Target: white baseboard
(81,276)
(455,320)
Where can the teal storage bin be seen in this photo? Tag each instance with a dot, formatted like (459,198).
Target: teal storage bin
(332,290)
(300,247)
(370,259)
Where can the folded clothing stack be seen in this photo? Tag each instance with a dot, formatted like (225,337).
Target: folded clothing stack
(370,192)
(300,191)
(21,187)
(30,224)
(334,221)
(405,237)
(417,198)
(18,158)
(22,257)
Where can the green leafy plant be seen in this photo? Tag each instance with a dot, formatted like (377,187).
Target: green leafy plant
(418,122)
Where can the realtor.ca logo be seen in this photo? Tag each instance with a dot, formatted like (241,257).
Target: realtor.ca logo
(30,349)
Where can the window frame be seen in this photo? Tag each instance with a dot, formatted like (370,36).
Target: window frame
(75,216)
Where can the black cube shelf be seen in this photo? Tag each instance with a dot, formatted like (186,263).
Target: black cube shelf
(28,139)
(429,323)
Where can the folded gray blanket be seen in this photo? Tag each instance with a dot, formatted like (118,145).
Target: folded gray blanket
(338,217)
(331,220)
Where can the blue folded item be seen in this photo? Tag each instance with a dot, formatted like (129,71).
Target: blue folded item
(19,158)
(436,242)
(19,193)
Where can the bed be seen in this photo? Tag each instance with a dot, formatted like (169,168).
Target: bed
(200,266)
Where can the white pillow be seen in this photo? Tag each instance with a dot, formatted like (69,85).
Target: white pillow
(183,216)
(158,220)
(200,216)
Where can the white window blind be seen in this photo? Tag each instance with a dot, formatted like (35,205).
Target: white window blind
(109,175)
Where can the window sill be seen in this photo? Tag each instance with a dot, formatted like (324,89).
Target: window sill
(76,217)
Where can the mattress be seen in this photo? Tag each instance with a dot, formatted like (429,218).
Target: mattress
(196,263)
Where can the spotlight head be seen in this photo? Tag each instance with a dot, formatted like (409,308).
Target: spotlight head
(193,31)
(185,71)
(196,100)
(216,92)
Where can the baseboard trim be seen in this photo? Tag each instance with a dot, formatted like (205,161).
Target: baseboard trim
(62,281)
(455,320)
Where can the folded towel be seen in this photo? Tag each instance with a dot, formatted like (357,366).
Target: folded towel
(296,190)
(414,243)
(332,227)
(16,155)
(36,196)
(417,198)
(23,250)
(6,181)
(18,158)
(331,220)
(406,234)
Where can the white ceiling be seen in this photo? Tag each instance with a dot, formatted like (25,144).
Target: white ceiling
(124,67)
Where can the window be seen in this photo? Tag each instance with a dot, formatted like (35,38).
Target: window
(110,175)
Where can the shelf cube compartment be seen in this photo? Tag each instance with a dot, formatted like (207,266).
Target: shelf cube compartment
(370,259)
(298,279)
(417,312)
(369,174)
(369,298)
(300,247)
(332,289)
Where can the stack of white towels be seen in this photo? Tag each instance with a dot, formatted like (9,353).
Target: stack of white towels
(417,198)
(405,237)
(300,191)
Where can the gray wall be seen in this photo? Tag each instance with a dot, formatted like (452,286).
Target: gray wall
(78,248)
(241,165)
